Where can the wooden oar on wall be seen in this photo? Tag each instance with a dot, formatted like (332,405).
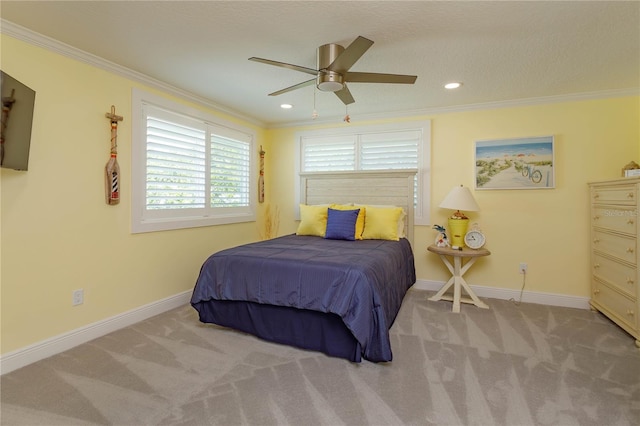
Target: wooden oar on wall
(112,169)
(261,178)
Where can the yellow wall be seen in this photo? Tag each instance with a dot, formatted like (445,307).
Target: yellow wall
(58,235)
(548,229)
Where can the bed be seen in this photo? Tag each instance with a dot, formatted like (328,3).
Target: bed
(333,295)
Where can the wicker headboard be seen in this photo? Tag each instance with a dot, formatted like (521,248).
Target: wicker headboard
(383,187)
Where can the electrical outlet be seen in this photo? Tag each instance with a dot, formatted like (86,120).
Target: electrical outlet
(523,268)
(77,297)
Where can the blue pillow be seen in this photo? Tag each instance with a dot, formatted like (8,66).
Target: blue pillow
(341,224)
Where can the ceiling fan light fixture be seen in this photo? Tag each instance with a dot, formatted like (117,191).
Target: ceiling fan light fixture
(330,86)
(453,85)
(286,106)
(329,81)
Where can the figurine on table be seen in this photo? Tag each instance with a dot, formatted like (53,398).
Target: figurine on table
(441,238)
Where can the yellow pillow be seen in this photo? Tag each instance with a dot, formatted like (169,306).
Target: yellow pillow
(359,221)
(381,223)
(313,220)
(401,220)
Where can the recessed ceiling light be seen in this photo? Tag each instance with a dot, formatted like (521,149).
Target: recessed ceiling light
(286,106)
(452,85)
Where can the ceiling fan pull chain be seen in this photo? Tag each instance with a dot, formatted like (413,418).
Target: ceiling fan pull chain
(314,115)
(346,118)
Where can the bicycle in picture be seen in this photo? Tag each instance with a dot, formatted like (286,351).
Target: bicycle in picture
(532,173)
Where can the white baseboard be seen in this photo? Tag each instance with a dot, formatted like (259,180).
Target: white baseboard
(55,345)
(552,299)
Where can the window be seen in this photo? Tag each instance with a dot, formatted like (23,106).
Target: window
(189,169)
(385,147)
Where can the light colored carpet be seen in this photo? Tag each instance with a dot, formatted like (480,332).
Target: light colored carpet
(511,365)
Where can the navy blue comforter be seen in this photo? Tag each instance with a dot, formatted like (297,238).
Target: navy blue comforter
(363,282)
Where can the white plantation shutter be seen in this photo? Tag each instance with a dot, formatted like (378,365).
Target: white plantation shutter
(390,151)
(329,154)
(230,172)
(369,151)
(393,150)
(196,172)
(176,169)
(386,147)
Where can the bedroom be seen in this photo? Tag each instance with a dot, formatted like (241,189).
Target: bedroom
(72,240)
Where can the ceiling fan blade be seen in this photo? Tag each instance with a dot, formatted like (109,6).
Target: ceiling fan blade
(294,87)
(285,65)
(345,95)
(371,77)
(350,55)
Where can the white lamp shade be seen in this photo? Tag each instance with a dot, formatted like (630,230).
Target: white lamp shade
(460,198)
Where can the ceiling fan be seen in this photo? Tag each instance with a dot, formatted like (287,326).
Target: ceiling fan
(332,74)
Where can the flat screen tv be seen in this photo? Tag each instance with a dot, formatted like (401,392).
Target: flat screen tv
(17,117)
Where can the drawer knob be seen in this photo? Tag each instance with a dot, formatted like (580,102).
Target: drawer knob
(596,196)
(596,241)
(596,217)
(630,250)
(630,312)
(596,265)
(629,280)
(630,222)
(630,195)
(596,291)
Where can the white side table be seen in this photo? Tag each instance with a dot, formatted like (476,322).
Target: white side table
(458,269)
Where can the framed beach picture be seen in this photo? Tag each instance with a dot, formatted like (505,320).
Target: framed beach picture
(523,163)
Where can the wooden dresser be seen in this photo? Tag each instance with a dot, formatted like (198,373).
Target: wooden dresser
(614,252)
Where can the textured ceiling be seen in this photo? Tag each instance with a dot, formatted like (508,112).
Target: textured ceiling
(501,51)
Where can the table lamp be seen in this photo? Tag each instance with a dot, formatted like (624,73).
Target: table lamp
(459,198)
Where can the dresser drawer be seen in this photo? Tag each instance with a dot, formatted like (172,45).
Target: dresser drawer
(615,245)
(620,219)
(618,275)
(621,307)
(619,194)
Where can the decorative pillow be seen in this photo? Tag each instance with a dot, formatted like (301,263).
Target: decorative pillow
(313,220)
(381,223)
(361,217)
(341,224)
(401,221)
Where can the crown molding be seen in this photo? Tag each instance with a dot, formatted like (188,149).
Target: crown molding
(543,100)
(48,43)
(36,39)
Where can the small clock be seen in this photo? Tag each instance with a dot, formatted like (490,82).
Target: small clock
(474,239)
